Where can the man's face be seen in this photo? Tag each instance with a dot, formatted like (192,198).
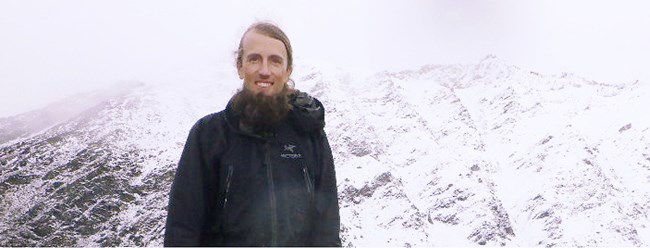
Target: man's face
(264,64)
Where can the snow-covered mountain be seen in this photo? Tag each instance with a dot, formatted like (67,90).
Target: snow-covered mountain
(481,154)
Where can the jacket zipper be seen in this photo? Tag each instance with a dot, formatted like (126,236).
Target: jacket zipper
(307,181)
(274,215)
(228,180)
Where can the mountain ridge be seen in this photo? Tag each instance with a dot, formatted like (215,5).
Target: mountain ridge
(478,154)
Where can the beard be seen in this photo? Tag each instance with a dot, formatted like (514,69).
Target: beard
(259,112)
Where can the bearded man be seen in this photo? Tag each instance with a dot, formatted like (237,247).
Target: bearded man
(260,172)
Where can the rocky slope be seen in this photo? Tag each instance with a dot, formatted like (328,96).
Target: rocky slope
(482,154)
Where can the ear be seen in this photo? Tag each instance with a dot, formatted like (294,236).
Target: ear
(240,71)
(287,76)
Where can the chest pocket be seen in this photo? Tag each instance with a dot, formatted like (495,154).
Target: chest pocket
(244,189)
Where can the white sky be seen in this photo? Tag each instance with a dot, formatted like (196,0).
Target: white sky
(51,49)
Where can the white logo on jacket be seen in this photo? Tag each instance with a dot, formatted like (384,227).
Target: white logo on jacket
(289,148)
(289,152)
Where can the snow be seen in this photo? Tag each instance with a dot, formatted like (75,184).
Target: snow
(445,155)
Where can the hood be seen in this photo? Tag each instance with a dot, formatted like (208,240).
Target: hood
(308,114)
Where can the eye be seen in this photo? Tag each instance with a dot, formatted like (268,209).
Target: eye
(253,58)
(276,60)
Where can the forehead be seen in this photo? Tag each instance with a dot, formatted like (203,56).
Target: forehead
(257,43)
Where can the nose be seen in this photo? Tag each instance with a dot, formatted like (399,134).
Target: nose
(264,69)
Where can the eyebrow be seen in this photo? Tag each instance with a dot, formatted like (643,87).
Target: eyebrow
(252,55)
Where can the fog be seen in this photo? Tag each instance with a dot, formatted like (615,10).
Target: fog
(53,49)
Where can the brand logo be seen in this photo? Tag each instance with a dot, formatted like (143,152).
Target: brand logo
(289,148)
(290,153)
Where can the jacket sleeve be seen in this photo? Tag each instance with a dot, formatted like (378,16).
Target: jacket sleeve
(190,194)
(327,225)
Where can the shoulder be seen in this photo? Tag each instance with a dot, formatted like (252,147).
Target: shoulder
(211,119)
(211,124)
(211,133)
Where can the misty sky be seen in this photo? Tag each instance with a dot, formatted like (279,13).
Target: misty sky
(51,49)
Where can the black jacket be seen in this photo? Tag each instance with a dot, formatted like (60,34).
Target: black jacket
(234,188)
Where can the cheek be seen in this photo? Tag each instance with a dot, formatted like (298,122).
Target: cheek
(249,69)
(284,76)
(249,75)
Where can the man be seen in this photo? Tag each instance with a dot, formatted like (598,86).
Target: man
(260,172)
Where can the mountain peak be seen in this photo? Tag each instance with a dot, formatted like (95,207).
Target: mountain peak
(488,58)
